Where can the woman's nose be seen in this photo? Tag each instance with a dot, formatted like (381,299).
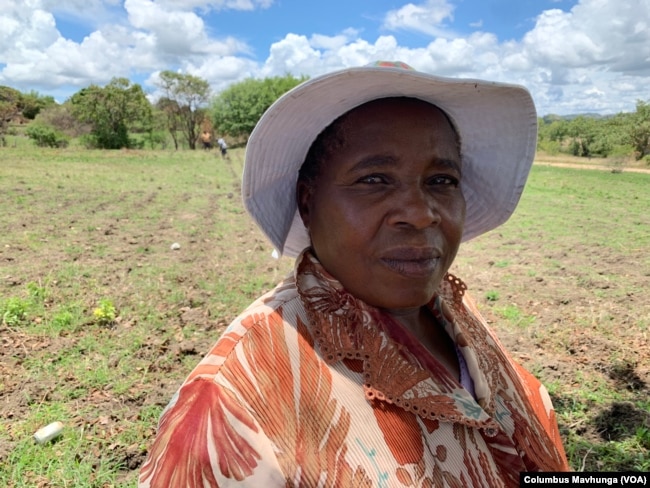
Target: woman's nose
(414,207)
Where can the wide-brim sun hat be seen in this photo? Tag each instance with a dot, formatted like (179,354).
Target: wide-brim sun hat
(496,122)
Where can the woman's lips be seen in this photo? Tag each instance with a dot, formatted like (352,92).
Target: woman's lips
(415,262)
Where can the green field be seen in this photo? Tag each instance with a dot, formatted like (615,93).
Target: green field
(101,319)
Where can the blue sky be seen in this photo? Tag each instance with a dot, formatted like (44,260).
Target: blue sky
(575,56)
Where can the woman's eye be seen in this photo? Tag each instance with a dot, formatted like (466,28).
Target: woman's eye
(373,179)
(443,180)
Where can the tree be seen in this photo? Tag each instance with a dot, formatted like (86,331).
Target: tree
(168,111)
(157,134)
(552,130)
(184,101)
(639,130)
(112,111)
(10,107)
(591,136)
(236,110)
(33,103)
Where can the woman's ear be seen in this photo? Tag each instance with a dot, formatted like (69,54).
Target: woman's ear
(304,193)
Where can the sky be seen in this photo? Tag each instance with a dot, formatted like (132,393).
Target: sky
(575,56)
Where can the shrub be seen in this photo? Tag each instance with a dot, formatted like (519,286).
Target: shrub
(13,311)
(552,148)
(45,136)
(60,117)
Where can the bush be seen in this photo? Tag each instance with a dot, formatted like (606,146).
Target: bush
(156,138)
(13,312)
(550,147)
(106,139)
(45,136)
(60,118)
(621,151)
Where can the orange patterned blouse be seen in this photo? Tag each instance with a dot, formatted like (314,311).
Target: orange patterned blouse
(307,388)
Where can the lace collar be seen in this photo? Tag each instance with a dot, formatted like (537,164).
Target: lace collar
(345,328)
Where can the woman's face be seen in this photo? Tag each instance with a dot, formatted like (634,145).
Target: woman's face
(386,212)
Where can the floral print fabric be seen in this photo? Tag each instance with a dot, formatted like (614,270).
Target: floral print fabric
(310,388)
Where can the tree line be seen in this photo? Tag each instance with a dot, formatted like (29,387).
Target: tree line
(619,136)
(119,115)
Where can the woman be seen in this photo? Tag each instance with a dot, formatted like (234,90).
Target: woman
(369,365)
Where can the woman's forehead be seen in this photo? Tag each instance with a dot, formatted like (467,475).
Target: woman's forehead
(396,118)
(384,112)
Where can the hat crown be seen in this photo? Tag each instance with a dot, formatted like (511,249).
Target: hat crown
(496,122)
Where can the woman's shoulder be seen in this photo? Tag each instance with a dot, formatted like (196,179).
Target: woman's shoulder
(269,318)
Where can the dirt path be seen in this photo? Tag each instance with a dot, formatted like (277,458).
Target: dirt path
(603,166)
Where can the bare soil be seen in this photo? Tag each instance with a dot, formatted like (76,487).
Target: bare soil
(566,346)
(585,332)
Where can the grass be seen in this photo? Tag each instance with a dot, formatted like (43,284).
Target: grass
(565,285)
(102,319)
(514,316)
(95,303)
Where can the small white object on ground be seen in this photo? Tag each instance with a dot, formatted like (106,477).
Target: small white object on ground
(175,246)
(49,432)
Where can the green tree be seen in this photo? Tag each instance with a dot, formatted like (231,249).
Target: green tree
(236,110)
(33,103)
(113,111)
(557,130)
(552,131)
(169,113)
(639,130)
(184,104)
(157,135)
(590,137)
(10,107)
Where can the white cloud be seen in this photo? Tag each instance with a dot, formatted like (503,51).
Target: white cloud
(588,50)
(220,71)
(594,92)
(79,7)
(556,39)
(90,12)
(177,34)
(595,56)
(149,38)
(67,62)
(321,41)
(25,31)
(215,4)
(594,32)
(427,17)
(292,54)
(361,52)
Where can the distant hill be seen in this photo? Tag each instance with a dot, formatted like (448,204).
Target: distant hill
(552,117)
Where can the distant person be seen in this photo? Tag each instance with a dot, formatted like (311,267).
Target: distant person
(223,146)
(369,365)
(206,140)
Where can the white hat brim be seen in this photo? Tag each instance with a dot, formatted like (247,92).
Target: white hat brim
(497,124)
